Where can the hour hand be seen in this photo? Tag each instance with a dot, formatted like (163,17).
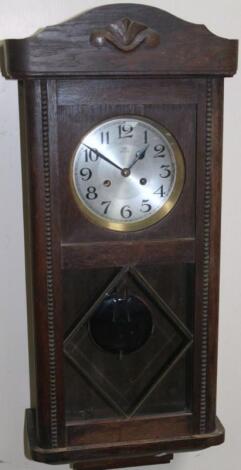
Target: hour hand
(140,154)
(99,154)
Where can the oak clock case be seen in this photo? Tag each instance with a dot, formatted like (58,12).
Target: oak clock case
(121,129)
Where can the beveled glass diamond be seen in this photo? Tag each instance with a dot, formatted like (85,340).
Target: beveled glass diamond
(125,370)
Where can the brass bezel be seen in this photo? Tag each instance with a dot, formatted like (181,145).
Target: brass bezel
(164,210)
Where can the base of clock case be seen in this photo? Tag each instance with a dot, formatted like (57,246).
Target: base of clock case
(118,455)
(104,464)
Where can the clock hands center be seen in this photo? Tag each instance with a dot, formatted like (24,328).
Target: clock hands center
(140,154)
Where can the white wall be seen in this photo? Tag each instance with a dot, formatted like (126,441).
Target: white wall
(22,18)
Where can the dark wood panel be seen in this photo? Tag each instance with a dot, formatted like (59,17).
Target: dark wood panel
(99,464)
(171,395)
(118,431)
(179,119)
(179,47)
(118,450)
(126,91)
(78,256)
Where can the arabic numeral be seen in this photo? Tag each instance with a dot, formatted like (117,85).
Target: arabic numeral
(91,193)
(125,130)
(85,174)
(160,151)
(145,207)
(126,212)
(90,156)
(105,137)
(160,191)
(166,172)
(107,205)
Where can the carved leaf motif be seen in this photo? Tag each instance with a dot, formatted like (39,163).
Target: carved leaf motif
(126,35)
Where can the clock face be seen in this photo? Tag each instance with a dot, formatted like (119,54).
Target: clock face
(127,173)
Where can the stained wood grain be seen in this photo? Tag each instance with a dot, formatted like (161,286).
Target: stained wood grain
(67,49)
(78,256)
(83,71)
(99,464)
(129,450)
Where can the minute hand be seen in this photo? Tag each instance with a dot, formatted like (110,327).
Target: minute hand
(99,154)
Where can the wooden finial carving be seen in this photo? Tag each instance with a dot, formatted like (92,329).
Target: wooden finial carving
(126,35)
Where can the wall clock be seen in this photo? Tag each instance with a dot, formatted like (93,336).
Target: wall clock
(121,129)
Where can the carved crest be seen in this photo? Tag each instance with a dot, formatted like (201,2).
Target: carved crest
(126,35)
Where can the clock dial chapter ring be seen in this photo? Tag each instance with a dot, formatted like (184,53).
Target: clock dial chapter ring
(122,182)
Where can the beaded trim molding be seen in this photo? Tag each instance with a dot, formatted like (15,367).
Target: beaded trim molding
(206,257)
(49,266)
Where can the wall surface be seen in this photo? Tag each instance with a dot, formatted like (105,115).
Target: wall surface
(22,18)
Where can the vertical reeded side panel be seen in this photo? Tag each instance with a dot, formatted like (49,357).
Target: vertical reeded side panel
(38,106)
(209,139)
(214,254)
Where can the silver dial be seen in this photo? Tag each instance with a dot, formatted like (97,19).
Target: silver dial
(127,173)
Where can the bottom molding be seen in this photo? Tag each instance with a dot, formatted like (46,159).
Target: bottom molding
(104,464)
(91,457)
